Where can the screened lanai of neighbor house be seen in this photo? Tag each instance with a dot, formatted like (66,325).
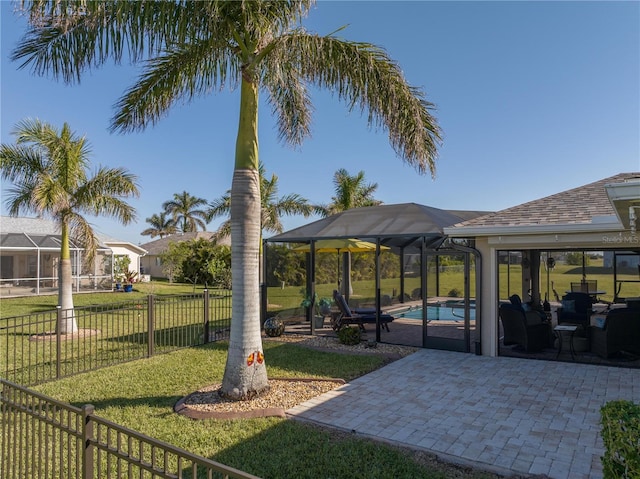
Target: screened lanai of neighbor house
(30,253)
(407,270)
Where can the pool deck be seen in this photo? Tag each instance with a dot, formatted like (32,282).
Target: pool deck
(505,415)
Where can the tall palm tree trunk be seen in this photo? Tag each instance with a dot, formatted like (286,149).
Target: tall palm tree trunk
(245,374)
(67,321)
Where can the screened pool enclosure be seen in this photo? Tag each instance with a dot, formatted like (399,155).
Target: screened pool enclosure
(29,265)
(409,266)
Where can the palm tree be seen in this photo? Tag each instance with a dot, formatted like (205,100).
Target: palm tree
(182,209)
(351,192)
(160,226)
(194,48)
(272,209)
(48,169)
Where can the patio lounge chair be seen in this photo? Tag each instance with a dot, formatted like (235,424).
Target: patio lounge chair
(358,316)
(524,329)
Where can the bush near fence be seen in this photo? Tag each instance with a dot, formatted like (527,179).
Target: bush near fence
(621,436)
(33,352)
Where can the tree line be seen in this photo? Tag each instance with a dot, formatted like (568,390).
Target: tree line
(186,213)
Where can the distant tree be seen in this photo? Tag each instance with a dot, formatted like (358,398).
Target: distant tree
(172,259)
(198,261)
(49,170)
(184,212)
(576,258)
(160,226)
(351,192)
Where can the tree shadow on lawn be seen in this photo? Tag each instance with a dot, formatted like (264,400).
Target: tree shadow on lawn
(177,336)
(290,448)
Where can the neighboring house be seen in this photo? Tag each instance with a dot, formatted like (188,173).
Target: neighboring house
(151,263)
(30,253)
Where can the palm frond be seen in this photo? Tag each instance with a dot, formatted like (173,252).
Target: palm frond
(181,73)
(79,35)
(367,79)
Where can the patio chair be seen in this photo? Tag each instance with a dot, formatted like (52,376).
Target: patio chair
(620,333)
(576,308)
(358,316)
(524,329)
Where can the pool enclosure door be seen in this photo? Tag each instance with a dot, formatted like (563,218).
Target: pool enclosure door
(448,313)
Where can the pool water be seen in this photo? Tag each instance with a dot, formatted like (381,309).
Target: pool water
(439,313)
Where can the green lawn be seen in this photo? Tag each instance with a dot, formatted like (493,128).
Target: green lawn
(119,326)
(33,304)
(141,395)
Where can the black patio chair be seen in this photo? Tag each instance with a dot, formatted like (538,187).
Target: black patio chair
(524,329)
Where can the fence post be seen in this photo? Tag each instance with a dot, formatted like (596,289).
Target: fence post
(87,438)
(58,340)
(151,322)
(206,316)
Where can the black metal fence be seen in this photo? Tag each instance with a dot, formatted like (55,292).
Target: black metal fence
(33,350)
(47,439)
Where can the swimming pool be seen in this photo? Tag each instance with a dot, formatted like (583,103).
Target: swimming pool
(440,312)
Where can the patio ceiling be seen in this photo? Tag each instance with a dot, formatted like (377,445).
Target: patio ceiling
(399,225)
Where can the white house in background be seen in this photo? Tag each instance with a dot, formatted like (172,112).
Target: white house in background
(30,252)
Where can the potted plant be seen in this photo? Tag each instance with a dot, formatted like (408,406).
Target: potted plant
(318,307)
(324,305)
(120,270)
(129,279)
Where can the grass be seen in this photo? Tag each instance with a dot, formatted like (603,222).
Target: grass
(122,334)
(34,304)
(141,395)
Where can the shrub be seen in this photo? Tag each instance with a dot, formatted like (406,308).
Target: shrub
(454,293)
(621,436)
(349,336)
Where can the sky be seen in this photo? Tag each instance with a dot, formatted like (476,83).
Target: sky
(533,98)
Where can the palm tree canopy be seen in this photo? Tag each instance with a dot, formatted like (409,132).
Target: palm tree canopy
(351,191)
(272,206)
(48,170)
(184,212)
(194,48)
(160,226)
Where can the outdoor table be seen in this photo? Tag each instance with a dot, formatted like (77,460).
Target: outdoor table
(558,330)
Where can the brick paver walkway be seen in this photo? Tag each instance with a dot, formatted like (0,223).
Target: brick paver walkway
(507,415)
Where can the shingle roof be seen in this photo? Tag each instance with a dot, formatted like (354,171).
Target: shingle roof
(575,206)
(159,246)
(11,224)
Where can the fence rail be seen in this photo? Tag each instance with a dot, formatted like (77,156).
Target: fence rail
(33,349)
(48,439)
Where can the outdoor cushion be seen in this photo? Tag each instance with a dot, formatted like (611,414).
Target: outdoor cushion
(569,305)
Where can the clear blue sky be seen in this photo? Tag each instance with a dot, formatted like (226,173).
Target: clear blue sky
(533,98)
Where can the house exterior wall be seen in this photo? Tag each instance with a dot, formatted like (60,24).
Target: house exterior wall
(152,265)
(133,256)
(489,298)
